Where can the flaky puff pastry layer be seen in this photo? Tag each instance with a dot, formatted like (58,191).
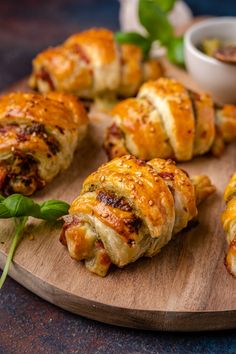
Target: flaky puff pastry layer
(90,64)
(38,137)
(128,209)
(168,121)
(229,224)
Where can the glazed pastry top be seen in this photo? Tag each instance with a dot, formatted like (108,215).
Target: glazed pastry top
(129,208)
(53,109)
(168,121)
(38,137)
(229,224)
(91,63)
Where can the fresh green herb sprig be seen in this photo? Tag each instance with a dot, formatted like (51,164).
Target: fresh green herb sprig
(20,208)
(153,16)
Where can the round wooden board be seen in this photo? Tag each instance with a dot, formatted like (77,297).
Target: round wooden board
(185,287)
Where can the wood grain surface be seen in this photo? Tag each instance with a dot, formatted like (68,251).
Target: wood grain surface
(185,287)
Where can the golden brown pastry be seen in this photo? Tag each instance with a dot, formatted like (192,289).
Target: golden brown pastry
(168,121)
(91,63)
(38,137)
(128,209)
(229,224)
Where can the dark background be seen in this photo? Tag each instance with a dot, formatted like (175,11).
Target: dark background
(27,323)
(27,26)
(213,7)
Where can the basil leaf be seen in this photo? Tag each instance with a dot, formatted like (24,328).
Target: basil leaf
(4,212)
(155,21)
(53,209)
(175,50)
(19,205)
(1,198)
(135,38)
(166,5)
(15,242)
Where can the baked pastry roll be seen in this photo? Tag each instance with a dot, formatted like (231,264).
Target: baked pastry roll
(128,209)
(168,121)
(229,224)
(90,64)
(38,137)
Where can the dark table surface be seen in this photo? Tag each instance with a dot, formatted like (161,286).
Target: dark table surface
(27,323)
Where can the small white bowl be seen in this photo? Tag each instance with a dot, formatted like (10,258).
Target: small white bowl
(213,76)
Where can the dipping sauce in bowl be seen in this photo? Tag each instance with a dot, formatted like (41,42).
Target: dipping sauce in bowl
(213,75)
(222,50)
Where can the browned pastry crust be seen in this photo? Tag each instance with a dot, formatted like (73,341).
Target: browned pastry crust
(128,209)
(168,121)
(90,64)
(229,224)
(38,137)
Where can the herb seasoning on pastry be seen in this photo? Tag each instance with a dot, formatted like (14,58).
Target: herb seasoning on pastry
(229,224)
(128,209)
(90,64)
(166,120)
(38,137)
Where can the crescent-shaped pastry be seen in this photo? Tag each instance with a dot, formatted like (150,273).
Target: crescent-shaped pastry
(90,64)
(38,137)
(128,209)
(166,120)
(229,224)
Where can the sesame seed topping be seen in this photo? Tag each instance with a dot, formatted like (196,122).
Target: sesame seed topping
(163,201)
(140,183)
(150,202)
(170,162)
(102,178)
(12,148)
(152,129)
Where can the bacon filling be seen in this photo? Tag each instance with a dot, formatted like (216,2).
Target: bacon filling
(45,76)
(20,175)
